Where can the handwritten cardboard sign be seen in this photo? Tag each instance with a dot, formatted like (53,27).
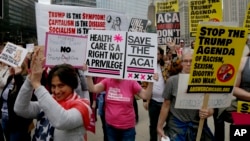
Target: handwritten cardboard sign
(65,49)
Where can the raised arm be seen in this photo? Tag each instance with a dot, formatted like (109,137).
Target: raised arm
(94,88)
(59,117)
(23,106)
(146,93)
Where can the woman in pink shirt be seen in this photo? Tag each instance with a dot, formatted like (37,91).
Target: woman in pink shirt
(119,111)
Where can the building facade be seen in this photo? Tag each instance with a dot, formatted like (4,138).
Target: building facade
(133,8)
(235,10)
(18,24)
(85,3)
(184,18)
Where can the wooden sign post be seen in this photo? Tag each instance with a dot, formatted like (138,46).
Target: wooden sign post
(201,122)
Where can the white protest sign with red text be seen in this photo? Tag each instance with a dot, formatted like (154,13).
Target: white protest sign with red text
(75,20)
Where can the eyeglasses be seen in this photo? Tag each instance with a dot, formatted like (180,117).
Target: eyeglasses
(187,61)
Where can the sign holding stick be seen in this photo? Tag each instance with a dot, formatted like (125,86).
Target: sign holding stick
(201,122)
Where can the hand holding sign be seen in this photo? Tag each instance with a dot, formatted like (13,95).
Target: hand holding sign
(84,67)
(156,76)
(205,113)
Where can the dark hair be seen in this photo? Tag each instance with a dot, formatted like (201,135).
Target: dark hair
(66,74)
(161,61)
(175,67)
(120,21)
(109,19)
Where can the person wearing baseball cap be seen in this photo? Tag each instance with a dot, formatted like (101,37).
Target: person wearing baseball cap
(182,43)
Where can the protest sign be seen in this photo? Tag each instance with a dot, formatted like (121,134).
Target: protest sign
(105,53)
(75,20)
(195,101)
(138,25)
(218,51)
(243,107)
(168,27)
(241,123)
(141,56)
(167,6)
(13,55)
(30,47)
(246,23)
(128,55)
(200,11)
(65,49)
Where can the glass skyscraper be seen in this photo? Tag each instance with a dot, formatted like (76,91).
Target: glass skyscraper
(235,10)
(85,3)
(133,8)
(18,24)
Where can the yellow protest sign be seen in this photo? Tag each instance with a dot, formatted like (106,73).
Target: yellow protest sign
(243,107)
(168,6)
(246,23)
(203,10)
(217,54)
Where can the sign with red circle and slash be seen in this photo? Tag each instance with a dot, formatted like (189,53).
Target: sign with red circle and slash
(225,72)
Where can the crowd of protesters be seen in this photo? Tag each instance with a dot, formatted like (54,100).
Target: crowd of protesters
(61,100)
